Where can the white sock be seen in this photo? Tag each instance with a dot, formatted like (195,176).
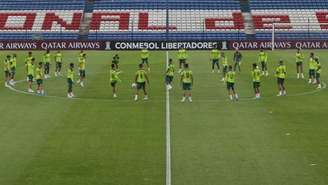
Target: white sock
(236,96)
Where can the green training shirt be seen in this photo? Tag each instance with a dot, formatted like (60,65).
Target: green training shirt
(312,64)
(28,60)
(47,58)
(182,54)
(6,65)
(170,70)
(144,54)
(299,57)
(263,57)
(256,75)
(59,57)
(13,62)
(38,73)
(30,69)
(82,63)
(186,76)
(141,76)
(230,77)
(281,71)
(70,74)
(114,75)
(215,54)
(224,60)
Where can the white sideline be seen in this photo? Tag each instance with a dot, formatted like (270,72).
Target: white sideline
(168,133)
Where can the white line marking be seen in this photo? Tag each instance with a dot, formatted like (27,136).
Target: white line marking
(168,132)
(241,99)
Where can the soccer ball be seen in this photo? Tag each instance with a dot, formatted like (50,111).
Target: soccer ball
(134,85)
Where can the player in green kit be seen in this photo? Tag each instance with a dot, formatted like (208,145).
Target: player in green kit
(116,60)
(263,60)
(47,61)
(39,75)
(30,75)
(318,73)
(141,79)
(215,57)
(145,57)
(59,63)
(82,64)
(70,80)
(225,64)
(182,57)
(81,54)
(13,66)
(299,64)
(28,60)
(281,74)
(256,76)
(237,57)
(169,74)
(312,69)
(187,81)
(230,79)
(6,69)
(114,79)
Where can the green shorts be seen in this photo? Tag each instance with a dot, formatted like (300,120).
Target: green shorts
(70,85)
(39,81)
(144,60)
(168,79)
(256,84)
(182,61)
(280,81)
(299,64)
(225,69)
(230,86)
(115,62)
(141,85)
(59,64)
(215,61)
(186,86)
(113,83)
(312,72)
(7,74)
(317,75)
(13,70)
(30,78)
(82,73)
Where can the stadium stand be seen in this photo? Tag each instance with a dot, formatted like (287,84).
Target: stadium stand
(18,9)
(145,20)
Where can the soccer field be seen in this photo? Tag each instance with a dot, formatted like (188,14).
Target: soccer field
(97,140)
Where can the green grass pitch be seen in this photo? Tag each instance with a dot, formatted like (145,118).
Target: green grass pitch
(98,140)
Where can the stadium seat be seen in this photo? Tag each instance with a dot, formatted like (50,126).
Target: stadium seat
(145,19)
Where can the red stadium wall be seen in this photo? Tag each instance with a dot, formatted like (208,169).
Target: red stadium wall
(155,20)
